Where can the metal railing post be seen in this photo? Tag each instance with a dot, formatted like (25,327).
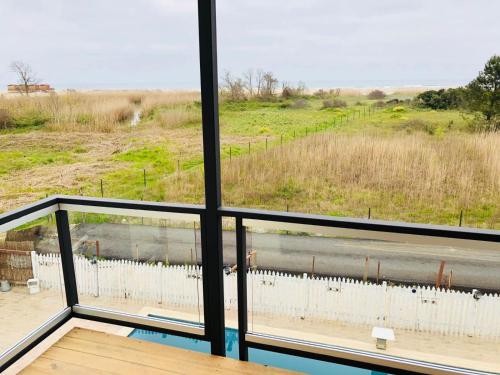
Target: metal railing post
(66,250)
(241,261)
(213,282)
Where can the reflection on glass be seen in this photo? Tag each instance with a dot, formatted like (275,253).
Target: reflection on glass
(31,281)
(428,302)
(139,265)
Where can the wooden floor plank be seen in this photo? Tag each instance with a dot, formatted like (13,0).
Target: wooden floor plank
(83,351)
(149,349)
(143,358)
(102,362)
(44,366)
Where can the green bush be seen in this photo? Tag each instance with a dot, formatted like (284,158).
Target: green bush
(399,108)
(31,119)
(83,118)
(440,99)
(479,124)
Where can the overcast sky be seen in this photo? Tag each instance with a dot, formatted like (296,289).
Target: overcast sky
(325,43)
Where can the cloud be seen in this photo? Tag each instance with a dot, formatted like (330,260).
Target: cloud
(322,42)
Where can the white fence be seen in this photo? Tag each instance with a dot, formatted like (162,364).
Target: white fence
(420,309)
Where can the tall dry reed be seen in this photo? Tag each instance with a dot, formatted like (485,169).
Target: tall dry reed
(402,176)
(94,111)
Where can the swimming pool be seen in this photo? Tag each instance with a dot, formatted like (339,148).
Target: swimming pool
(264,357)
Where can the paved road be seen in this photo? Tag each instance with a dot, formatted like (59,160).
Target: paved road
(339,257)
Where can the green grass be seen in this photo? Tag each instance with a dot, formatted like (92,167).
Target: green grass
(257,120)
(12,161)
(260,123)
(149,157)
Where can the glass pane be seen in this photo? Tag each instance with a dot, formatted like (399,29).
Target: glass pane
(410,299)
(145,266)
(336,108)
(113,102)
(31,279)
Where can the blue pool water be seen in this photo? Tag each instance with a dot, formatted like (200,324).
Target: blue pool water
(264,357)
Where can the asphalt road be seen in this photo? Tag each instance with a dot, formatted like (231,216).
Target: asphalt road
(336,257)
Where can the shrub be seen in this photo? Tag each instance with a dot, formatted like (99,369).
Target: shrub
(300,103)
(418,125)
(479,124)
(379,104)
(334,103)
(376,95)
(320,94)
(399,109)
(289,91)
(30,119)
(5,119)
(440,99)
(83,118)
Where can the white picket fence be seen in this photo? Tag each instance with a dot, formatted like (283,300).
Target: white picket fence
(420,309)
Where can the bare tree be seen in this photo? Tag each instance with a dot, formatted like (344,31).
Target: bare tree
(269,84)
(25,76)
(249,78)
(335,93)
(234,86)
(259,80)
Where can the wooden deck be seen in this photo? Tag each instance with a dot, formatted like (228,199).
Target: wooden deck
(83,351)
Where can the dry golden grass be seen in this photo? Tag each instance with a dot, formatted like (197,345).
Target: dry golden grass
(177,117)
(397,176)
(156,99)
(95,111)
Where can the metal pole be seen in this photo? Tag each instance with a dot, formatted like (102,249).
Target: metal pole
(213,286)
(66,251)
(241,261)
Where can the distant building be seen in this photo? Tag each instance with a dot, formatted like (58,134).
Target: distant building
(42,87)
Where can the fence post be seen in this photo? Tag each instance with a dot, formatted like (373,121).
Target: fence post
(66,250)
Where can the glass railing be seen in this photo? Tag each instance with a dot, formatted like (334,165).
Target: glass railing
(423,298)
(139,265)
(26,300)
(379,295)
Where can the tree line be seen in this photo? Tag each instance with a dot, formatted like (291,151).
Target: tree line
(257,84)
(481,97)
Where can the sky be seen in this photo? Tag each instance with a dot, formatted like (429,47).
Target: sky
(152,44)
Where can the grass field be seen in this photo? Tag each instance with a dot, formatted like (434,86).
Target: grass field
(401,162)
